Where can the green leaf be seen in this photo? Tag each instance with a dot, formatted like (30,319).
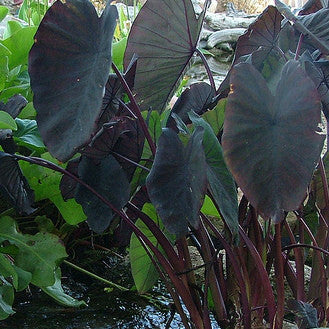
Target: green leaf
(28,135)
(208,208)
(3,12)
(45,183)
(272,142)
(33,252)
(12,27)
(221,183)
(118,51)
(28,112)
(24,278)
(216,116)
(7,270)
(20,44)
(143,271)
(4,71)
(57,293)
(177,181)
(6,121)
(6,298)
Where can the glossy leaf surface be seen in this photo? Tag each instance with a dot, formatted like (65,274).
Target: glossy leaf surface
(33,252)
(177,181)
(69,65)
(271,142)
(164,36)
(108,179)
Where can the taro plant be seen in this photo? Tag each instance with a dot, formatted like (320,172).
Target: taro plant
(174,176)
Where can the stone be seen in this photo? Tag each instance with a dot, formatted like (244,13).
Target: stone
(226,35)
(221,21)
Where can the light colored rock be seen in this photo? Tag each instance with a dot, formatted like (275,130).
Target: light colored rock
(221,21)
(226,35)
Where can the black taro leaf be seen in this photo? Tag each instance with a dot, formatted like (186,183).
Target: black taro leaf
(14,105)
(199,97)
(306,314)
(264,32)
(14,186)
(69,65)
(177,181)
(164,36)
(311,7)
(319,73)
(109,180)
(270,142)
(68,185)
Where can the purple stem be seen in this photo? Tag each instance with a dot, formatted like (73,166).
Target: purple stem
(206,65)
(135,108)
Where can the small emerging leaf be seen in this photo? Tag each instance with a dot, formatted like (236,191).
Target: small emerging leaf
(6,121)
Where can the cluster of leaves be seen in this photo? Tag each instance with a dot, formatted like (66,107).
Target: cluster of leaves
(162,173)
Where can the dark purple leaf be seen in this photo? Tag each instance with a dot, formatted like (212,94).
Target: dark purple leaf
(318,24)
(164,36)
(177,182)
(68,185)
(199,97)
(271,142)
(69,65)
(121,235)
(311,7)
(14,186)
(264,32)
(14,106)
(319,73)
(306,314)
(6,141)
(109,180)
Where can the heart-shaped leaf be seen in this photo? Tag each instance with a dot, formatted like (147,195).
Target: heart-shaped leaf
(311,7)
(13,185)
(271,142)
(164,36)
(108,179)
(69,65)
(306,314)
(177,181)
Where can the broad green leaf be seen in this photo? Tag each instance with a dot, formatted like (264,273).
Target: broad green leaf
(6,121)
(12,27)
(143,271)
(3,12)
(221,183)
(28,112)
(33,252)
(208,208)
(7,270)
(4,51)
(271,141)
(118,51)
(177,181)
(6,299)
(24,278)
(28,135)
(215,117)
(45,183)
(69,65)
(20,44)
(57,293)
(164,36)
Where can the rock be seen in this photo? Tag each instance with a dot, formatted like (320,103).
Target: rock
(226,35)
(221,21)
